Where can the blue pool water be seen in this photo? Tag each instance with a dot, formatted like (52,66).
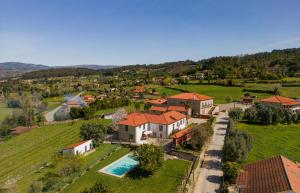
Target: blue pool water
(122,166)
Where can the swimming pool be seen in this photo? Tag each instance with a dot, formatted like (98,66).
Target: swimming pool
(121,166)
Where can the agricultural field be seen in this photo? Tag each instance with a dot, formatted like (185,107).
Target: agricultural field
(4,111)
(170,174)
(88,160)
(21,155)
(272,140)
(54,102)
(218,92)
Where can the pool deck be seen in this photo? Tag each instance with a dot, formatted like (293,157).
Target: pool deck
(102,170)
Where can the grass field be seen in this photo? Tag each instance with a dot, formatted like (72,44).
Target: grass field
(21,155)
(91,158)
(273,140)
(4,111)
(54,102)
(218,92)
(165,180)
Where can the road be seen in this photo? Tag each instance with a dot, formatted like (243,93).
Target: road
(50,115)
(210,177)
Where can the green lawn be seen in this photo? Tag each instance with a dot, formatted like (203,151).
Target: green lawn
(88,160)
(273,140)
(4,111)
(23,154)
(54,102)
(218,92)
(293,92)
(165,180)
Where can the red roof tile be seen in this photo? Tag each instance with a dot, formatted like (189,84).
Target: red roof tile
(182,133)
(158,101)
(160,109)
(191,96)
(281,100)
(136,119)
(76,144)
(178,108)
(272,175)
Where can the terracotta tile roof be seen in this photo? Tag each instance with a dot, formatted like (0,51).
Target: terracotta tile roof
(139,89)
(273,175)
(76,144)
(178,108)
(136,119)
(191,96)
(158,101)
(281,100)
(182,133)
(160,109)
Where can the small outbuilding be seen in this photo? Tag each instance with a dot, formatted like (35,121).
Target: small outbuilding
(79,148)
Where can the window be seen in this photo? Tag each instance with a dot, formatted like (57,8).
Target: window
(160,128)
(126,128)
(173,126)
(130,136)
(144,127)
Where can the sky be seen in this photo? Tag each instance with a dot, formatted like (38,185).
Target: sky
(123,32)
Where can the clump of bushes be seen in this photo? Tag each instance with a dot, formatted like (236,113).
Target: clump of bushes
(150,158)
(98,188)
(269,114)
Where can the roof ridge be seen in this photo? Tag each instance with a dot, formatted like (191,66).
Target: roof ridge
(285,171)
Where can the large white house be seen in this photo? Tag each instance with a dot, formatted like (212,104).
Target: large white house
(79,148)
(136,127)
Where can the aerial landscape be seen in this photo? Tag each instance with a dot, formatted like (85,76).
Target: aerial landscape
(149,96)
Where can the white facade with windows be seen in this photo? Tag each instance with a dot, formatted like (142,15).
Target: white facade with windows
(79,148)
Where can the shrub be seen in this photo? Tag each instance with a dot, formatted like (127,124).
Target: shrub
(200,135)
(231,171)
(150,158)
(251,115)
(235,113)
(98,188)
(35,187)
(97,132)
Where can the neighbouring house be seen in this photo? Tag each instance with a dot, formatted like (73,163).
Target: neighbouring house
(139,89)
(182,136)
(282,101)
(79,148)
(137,127)
(89,98)
(249,99)
(187,103)
(158,102)
(200,104)
(273,175)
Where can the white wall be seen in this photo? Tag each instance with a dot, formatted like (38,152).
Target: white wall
(80,149)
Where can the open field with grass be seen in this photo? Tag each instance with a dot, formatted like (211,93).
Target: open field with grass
(54,102)
(218,92)
(273,140)
(165,180)
(88,160)
(4,111)
(23,154)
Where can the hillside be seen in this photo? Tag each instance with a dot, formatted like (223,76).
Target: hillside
(12,69)
(266,65)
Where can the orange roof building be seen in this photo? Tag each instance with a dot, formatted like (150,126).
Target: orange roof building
(273,175)
(283,101)
(191,96)
(199,104)
(182,135)
(137,126)
(79,148)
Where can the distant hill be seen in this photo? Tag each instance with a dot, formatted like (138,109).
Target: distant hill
(265,65)
(95,66)
(14,69)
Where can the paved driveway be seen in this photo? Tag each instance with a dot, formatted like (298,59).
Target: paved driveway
(210,177)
